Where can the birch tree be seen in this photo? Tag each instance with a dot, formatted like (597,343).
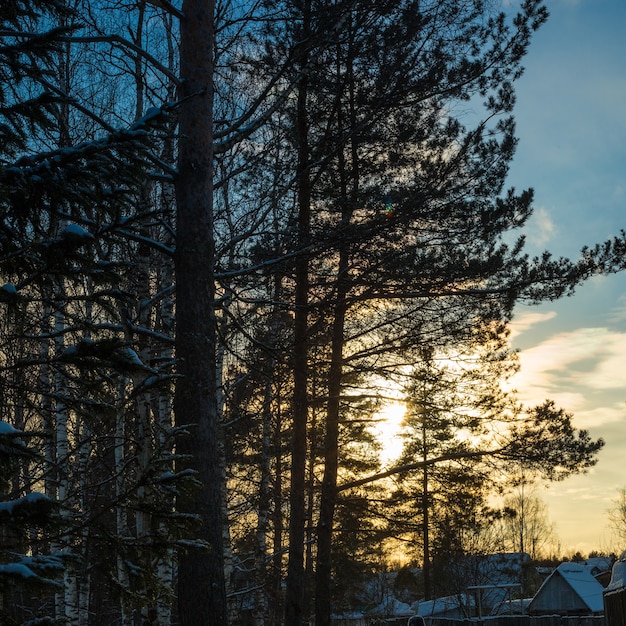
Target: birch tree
(70,214)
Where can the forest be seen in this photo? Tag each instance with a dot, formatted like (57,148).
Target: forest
(231,233)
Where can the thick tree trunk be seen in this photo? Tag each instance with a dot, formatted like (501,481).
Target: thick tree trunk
(331,462)
(323,600)
(349,188)
(201,585)
(294,596)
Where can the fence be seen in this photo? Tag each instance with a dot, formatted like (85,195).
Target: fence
(500,620)
(523,620)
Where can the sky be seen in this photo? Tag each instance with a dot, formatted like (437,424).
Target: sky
(571,124)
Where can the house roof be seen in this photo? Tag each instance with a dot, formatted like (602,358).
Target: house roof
(618,574)
(598,565)
(439,606)
(392,607)
(586,589)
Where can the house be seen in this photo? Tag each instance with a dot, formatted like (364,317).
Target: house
(450,607)
(598,565)
(391,607)
(491,580)
(615,594)
(569,590)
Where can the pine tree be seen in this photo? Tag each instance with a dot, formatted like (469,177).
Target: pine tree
(201,579)
(395,214)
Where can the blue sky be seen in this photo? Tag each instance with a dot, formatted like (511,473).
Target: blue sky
(571,122)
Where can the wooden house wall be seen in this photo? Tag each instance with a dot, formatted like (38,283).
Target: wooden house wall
(557,597)
(615,607)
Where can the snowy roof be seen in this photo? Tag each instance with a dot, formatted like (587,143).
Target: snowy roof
(513,607)
(598,565)
(392,607)
(618,574)
(493,569)
(581,582)
(438,606)
(584,584)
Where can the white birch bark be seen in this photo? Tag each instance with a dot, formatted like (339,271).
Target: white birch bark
(67,600)
(45,386)
(260,594)
(221,408)
(84,589)
(84,436)
(121,514)
(221,405)
(165,564)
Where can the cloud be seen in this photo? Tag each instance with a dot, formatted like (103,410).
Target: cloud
(619,191)
(571,3)
(540,229)
(581,370)
(526,321)
(599,416)
(561,352)
(617,314)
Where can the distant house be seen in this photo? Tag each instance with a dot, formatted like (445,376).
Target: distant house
(451,607)
(569,590)
(391,607)
(599,565)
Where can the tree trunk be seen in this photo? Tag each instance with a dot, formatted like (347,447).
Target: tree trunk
(331,462)
(323,572)
(426,513)
(263,516)
(166,564)
(121,513)
(201,584)
(294,596)
(275,608)
(67,598)
(349,189)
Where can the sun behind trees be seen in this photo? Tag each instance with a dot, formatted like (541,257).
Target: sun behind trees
(290,214)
